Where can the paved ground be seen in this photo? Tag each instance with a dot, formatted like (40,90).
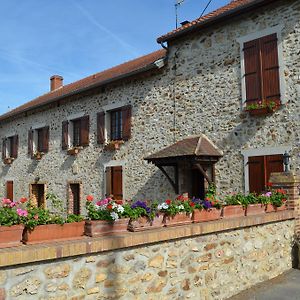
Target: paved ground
(283,287)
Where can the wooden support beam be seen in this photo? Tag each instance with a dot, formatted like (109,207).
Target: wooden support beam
(199,167)
(174,183)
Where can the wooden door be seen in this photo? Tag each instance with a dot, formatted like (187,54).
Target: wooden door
(10,190)
(75,198)
(114,182)
(197,184)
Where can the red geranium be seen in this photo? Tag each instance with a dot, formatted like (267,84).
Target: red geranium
(109,207)
(23,200)
(192,204)
(120,202)
(269,184)
(168,201)
(89,198)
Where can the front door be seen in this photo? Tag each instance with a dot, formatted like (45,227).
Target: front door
(197,184)
(37,194)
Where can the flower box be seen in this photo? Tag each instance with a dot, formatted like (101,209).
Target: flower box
(206,215)
(144,223)
(260,111)
(114,145)
(8,160)
(178,219)
(10,236)
(74,150)
(280,208)
(270,208)
(255,209)
(233,211)
(53,233)
(101,227)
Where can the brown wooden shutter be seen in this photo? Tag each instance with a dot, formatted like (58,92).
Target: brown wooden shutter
(274,163)
(85,131)
(101,127)
(126,118)
(252,71)
(3,148)
(65,135)
(117,182)
(15,146)
(270,68)
(256,174)
(46,139)
(30,142)
(10,190)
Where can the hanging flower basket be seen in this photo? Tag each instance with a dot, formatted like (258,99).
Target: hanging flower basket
(8,160)
(205,215)
(114,145)
(181,218)
(255,209)
(74,150)
(10,236)
(102,227)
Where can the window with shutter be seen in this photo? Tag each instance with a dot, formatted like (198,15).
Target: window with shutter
(114,182)
(10,147)
(101,128)
(85,131)
(10,190)
(261,64)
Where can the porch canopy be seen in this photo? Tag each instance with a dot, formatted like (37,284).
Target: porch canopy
(196,152)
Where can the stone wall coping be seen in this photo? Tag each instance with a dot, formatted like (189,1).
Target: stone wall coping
(86,245)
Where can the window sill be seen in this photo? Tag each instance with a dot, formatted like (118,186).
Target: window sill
(114,145)
(261,110)
(38,155)
(8,160)
(74,150)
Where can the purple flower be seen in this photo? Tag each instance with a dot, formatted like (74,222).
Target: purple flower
(206,204)
(142,205)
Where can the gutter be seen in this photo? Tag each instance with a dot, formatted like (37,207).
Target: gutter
(203,24)
(158,64)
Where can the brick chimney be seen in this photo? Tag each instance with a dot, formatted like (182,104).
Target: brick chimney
(56,82)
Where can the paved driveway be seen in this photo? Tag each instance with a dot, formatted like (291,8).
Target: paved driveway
(283,287)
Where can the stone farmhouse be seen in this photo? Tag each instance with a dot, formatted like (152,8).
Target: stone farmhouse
(218,103)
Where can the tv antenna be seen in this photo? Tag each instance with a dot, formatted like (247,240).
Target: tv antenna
(177,4)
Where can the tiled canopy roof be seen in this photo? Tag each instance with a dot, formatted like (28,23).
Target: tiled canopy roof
(124,70)
(192,146)
(233,8)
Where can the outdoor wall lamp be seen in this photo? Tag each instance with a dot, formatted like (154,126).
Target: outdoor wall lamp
(286,161)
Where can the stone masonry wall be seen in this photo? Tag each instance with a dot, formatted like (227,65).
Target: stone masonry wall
(201,86)
(212,266)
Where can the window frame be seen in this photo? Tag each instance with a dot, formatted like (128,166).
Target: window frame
(254,36)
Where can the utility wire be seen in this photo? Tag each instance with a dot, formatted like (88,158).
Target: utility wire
(205,8)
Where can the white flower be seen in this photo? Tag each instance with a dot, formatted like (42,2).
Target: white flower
(114,205)
(180,207)
(162,206)
(114,216)
(100,207)
(120,209)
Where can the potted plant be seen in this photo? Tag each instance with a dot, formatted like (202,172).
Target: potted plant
(11,227)
(38,155)
(114,145)
(254,205)
(262,107)
(43,225)
(74,150)
(8,160)
(278,199)
(234,206)
(176,212)
(144,217)
(106,217)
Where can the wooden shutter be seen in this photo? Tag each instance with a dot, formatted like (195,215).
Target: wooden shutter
(270,68)
(256,174)
(10,190)
(101,127)
(126,118)
(15,146)
(45,139)
(85,131)
(108,186)
(252,71)
(30,142)
(274,163)
(117,182)
(65,135)
(3,148)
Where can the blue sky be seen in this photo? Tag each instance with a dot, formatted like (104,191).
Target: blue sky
(76,38)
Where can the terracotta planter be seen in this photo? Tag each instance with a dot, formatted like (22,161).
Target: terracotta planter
(255,209)
(102,228)
(280,208)
(10,236)
(8,160)
(144,223)
(114,145)
(206,215)
(53,233)
(38,155)
(233,211)
(178,219)
(74,151)
(270,208)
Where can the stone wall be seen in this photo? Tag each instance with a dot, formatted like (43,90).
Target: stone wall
(201,86)
(212,266)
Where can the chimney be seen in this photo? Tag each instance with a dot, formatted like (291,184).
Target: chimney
(56,82)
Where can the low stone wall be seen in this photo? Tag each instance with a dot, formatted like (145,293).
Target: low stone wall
(212,260)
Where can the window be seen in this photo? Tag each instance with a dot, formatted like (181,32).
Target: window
(260,169)
(10,147)
(114,182)
(10,190)
(38,194)
(75,133)
(114,124)
(74,198)
(261,66)
(38,141)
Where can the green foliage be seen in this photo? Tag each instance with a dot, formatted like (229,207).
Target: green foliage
(236,199)
(278,198)
(74,218)
(8,216)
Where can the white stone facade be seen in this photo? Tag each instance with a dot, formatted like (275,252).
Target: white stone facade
(198,91)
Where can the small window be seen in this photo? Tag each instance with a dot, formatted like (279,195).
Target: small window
(116,125)
(10,147)
(38,141)
(38,194)
(74,198)
(114,182)
(76,132)
(10,190)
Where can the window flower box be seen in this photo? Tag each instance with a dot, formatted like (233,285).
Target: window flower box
(53,233)
(262,108)
(205,215)
(114,145)
(270,208)
(145,223)
(38,155)
(10,236)
(233,211)
(8,160)
(255,209)
(74,151)
(181,218)
(98,228)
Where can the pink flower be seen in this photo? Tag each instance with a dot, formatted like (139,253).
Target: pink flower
(12,204)
(103,202)
(36,217)
(268,194)
(6,201)
(22,212)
